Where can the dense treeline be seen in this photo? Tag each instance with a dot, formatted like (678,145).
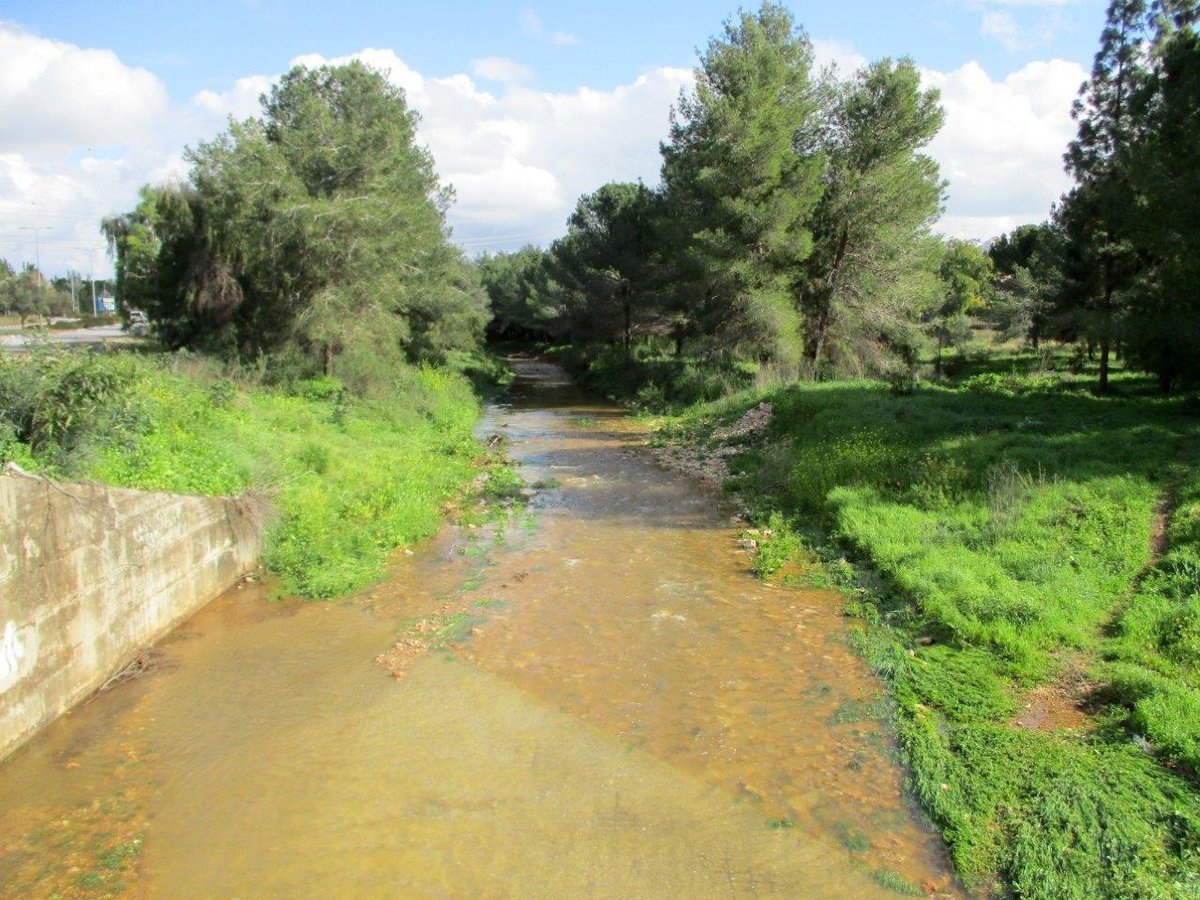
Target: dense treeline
(1115,269)
(312,237)
(792,224)
(28,294)
(793,221)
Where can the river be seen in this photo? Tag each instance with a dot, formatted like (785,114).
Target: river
(592,698)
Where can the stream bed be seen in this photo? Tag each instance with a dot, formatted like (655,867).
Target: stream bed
(591,698)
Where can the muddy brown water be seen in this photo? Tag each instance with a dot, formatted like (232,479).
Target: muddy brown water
(626,713)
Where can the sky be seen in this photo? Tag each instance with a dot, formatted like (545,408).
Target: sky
(524,107)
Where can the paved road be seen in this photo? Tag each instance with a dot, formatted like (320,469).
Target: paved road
(111,334)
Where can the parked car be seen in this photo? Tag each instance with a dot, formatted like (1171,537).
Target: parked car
(138,324)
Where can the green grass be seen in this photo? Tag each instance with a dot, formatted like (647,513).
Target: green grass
(987,533)
(351,479)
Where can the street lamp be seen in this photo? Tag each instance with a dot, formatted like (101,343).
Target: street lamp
(37,247)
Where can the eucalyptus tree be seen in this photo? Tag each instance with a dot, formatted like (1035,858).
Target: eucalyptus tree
(741,180)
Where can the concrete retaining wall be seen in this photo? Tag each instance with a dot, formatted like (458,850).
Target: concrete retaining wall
(90,575)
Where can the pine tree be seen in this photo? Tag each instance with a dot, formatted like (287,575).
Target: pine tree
(874,267)
(740,187)
(1101,263)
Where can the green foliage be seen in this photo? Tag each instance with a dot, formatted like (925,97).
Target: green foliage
(1130,260)
(873,270)
(1155,655)
(607,268)
(651,380)
(523,303)
(778,544)
(1162,333)
(1028,282)
(896,883)
(317,229)
(351,479)
(740,182)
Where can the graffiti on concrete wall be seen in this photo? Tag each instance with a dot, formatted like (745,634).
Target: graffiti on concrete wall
(13,653)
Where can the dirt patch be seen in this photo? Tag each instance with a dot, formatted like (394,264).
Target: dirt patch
(415,642)
(708,464)
(1159,536)
(1063,703)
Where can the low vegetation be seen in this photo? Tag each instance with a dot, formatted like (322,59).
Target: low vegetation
(352,477)
(1000,537)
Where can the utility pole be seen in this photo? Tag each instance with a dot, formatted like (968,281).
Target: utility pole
(92,279)
(37,247)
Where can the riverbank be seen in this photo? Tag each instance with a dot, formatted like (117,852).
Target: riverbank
(351,478)
(1003,541)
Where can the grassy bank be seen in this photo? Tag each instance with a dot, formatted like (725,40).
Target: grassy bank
(1000,539)
(352,478)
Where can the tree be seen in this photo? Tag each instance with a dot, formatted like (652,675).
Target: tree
(1163,330)
(517,289)
(608,263)
(966,274)
(316,229)
(27,294)
(1101,264)
(1027,280)
(874,267)
(740,183)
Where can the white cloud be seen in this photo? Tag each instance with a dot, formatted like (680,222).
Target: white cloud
(56,94)
(1002,145)
(1003,27)
(79,130)
(534,27)
(241,101)
(1020,25)
(840,54)
(499,68)
(519,162)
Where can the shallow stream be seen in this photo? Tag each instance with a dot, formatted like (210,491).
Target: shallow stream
(593,699)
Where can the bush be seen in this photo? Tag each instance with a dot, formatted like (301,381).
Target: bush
(352,478)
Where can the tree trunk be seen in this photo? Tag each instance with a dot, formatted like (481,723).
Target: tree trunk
(1104,350)
(825,309)
(820,331)
(937,363)
(328,368)
(627,310)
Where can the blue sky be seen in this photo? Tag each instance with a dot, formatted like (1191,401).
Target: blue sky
(193,46)
(525,106)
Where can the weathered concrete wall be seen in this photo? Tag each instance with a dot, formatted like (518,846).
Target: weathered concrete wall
(90,575)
